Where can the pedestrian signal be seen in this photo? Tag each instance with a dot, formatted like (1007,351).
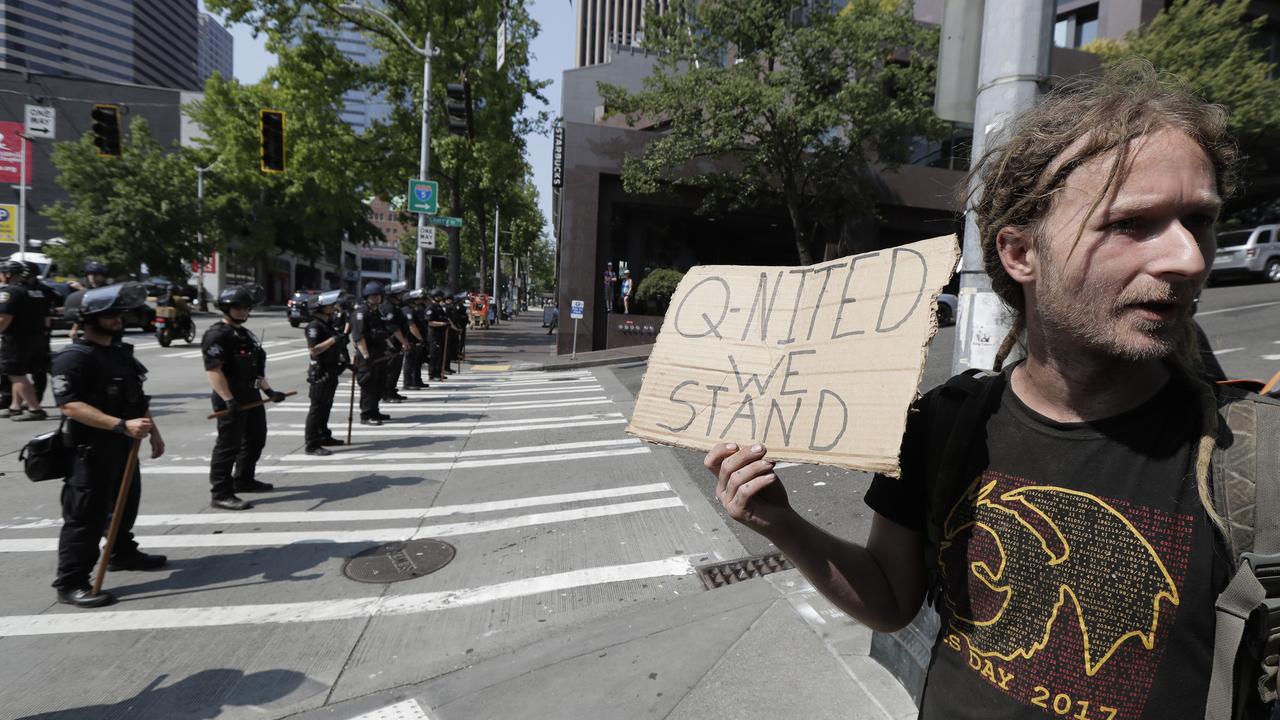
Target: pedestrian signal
(106,130)
(271,133)
(458,108)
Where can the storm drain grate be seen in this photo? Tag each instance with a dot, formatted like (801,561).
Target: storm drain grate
(735,571)
(398,561)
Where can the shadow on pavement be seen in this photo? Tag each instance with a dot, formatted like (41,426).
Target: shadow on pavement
(197,696)
(259,565)
(335,491)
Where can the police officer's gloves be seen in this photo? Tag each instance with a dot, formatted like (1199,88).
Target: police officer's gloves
(277,396)
(233,407)
(341,340)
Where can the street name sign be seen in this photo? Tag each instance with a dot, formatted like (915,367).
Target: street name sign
(423,196)
(41,121)
(427,237)
(445,221)
(577,309)
(819,364)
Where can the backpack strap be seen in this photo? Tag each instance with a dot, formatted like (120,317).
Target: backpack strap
(957,413)
(1246,486)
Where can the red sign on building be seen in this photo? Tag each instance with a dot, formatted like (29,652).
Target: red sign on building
(11,153)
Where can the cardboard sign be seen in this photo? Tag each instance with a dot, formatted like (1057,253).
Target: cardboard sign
(818,363)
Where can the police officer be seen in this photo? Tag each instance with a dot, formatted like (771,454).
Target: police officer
(460,322)
(438,324)
(237,369)
(97,382)
(454,334)
(328,348)
(24,339)
(416,317)
(399,329)
(370,334)
(95,276)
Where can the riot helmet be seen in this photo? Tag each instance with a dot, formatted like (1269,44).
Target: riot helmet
(93,267)
(437,294)
(108,300)
(416,294)
(371,288)
(397,288)
(244,296)
(326,300)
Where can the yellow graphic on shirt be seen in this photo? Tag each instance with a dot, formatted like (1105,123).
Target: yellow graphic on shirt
(1036,550)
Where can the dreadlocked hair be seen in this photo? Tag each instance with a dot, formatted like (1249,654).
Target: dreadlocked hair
(1014,182)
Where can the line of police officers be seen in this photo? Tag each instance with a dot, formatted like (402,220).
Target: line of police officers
(98,384)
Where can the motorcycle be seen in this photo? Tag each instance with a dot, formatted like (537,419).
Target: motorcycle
(174,322)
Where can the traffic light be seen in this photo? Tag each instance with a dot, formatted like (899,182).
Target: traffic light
(458,108)
(106,130)
(439,263)
(271,133)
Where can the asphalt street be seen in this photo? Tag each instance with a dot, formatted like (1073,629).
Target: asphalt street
(560,522)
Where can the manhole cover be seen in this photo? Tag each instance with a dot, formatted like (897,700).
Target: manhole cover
(735,571)
(398,561)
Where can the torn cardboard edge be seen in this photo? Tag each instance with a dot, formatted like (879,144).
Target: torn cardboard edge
(818,363)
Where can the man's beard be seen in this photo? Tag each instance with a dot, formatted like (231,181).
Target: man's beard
(1110,331)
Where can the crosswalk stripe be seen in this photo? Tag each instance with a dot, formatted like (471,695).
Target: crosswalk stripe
(433,393)
(196,353)
(340,455)
(344,609)
(332,516)
(288,355)
(369,468)
(449,407)
(370,536)
(491,423)
(1225,351)
(427,430)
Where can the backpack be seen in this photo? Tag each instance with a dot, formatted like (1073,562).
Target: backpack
(1246,489)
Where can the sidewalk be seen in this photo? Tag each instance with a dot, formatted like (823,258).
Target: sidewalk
(524,344)
(766,648)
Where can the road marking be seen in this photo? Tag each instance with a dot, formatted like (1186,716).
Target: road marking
(437,394)
(1233,309)
(1271,357)
(371,536)
(289,355)
(491,368)
(327,516)
(340,455)
(445,406)
(370,468)
(344,609)
(407,710)
(1225,351)
(495,423)
(196,353)
(362,430)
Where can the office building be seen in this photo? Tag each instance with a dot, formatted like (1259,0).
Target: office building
(360,108)
(214,50)
(146,42)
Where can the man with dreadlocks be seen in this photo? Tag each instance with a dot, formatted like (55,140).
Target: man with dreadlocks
(1068,538)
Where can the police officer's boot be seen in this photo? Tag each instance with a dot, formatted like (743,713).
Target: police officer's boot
(83,597)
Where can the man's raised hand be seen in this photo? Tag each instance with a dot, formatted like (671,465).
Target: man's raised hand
(747,487)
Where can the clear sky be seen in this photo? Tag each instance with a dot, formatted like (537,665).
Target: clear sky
(552,54)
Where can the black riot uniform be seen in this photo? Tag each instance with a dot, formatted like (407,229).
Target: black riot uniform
(438,322)
(24,347)
(415,317)
(322,375)
(458,313)
(395,320)
(242,433)
(101,372)
(367,325)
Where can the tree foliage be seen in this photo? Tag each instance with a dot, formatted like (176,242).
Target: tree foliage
(764,105)
(127,211)
(476,175)
(1211,46)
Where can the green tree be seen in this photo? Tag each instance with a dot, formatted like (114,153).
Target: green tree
(762,104)
(127,211)
(1211,46)
(475,174)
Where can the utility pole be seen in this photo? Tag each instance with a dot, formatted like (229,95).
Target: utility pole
(1012,68)
(424,157)
(200,171)
(497,310)
(22,195)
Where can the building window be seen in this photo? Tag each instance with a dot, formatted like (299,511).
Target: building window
(378,265)
(1077,28)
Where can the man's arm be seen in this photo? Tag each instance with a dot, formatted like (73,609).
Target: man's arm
(881,584)
(320,347)
(5,320)
(86,414)
(218,381)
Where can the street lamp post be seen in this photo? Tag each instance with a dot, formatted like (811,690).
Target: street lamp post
(200,171)
(424,155)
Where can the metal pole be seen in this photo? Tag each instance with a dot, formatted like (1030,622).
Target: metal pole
(497,310)
(1017,41)
(204,303)
(573,355)
(22,197)
(424,158)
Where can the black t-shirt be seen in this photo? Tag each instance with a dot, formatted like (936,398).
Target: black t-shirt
(108,378)
(367,325)
(1078,569)
(29,306)
(437,313)
(236,352)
